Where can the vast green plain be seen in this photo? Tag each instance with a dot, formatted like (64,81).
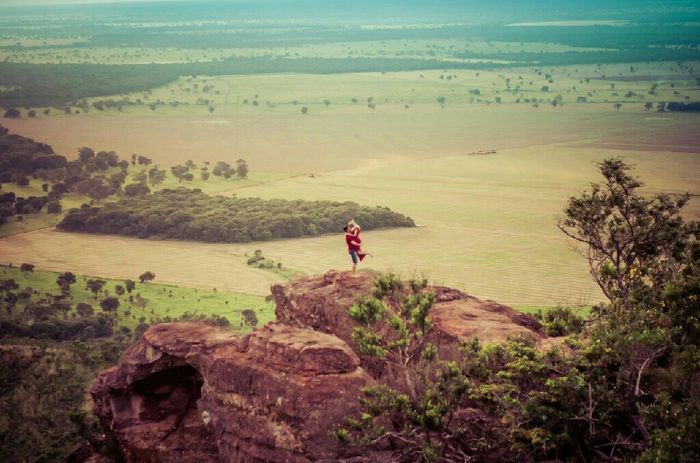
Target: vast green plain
(547,99)
(149,302)
(478,120)
(487,222)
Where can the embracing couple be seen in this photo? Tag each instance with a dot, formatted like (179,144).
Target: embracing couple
(352,239)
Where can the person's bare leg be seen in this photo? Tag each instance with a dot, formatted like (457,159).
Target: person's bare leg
(354,267)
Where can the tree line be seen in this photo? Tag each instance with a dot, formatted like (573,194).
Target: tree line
(23,159)
(188,214)
(693,107)
(60,84)
(97,175)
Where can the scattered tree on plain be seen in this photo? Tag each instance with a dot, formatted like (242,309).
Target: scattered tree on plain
(95,285)
(110,304)
(147,276)
(242,168)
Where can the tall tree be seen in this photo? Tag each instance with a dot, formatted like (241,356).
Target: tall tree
(85,154)
(130,285)
(179,172)
(629,240)
(64,281)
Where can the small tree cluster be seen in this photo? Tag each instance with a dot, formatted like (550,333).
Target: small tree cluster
(394,328)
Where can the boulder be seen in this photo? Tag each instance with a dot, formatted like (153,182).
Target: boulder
(197,393)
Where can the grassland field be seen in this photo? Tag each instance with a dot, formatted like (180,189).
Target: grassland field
(627,84)
(481,138)
(487,223)
(21,50)
(157,301)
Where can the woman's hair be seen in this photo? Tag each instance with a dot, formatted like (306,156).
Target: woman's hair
(353,224)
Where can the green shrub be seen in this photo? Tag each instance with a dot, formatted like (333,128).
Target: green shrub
(560,321)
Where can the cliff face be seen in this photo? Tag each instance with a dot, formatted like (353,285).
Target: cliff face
(197,393)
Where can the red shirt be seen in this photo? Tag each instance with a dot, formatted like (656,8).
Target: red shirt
(349,238)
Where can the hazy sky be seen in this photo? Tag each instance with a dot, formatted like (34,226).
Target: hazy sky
(64,2)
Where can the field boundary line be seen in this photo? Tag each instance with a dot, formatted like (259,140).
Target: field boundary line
(264,182)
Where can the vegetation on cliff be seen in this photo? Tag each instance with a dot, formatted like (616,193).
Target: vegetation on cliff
(192,215)
(59,330)
(626,388)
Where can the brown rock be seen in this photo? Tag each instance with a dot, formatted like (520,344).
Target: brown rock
(193,392)
(197,393)
(321,302)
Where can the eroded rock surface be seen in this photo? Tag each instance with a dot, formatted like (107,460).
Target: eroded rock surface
(321,302)
(196,393)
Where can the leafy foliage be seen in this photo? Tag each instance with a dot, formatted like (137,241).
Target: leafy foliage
(624,388)
(147,276)
(394,328)
(630,241)
(560,321)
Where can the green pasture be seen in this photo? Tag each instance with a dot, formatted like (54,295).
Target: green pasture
(603,87)
(487,222)
(582,311)
(160,300)
(571,86)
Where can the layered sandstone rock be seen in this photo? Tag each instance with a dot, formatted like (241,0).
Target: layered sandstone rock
(196,393)
(321,302)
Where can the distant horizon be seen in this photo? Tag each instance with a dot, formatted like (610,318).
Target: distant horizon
(20,3)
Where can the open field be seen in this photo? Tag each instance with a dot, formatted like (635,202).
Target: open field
(419,49)
(179,263)
(157,301)
(487,225)
(487,222)
(258,118)
(631,85)
(41,219)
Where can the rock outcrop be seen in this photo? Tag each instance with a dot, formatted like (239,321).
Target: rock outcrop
(196,393)
(321,302)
